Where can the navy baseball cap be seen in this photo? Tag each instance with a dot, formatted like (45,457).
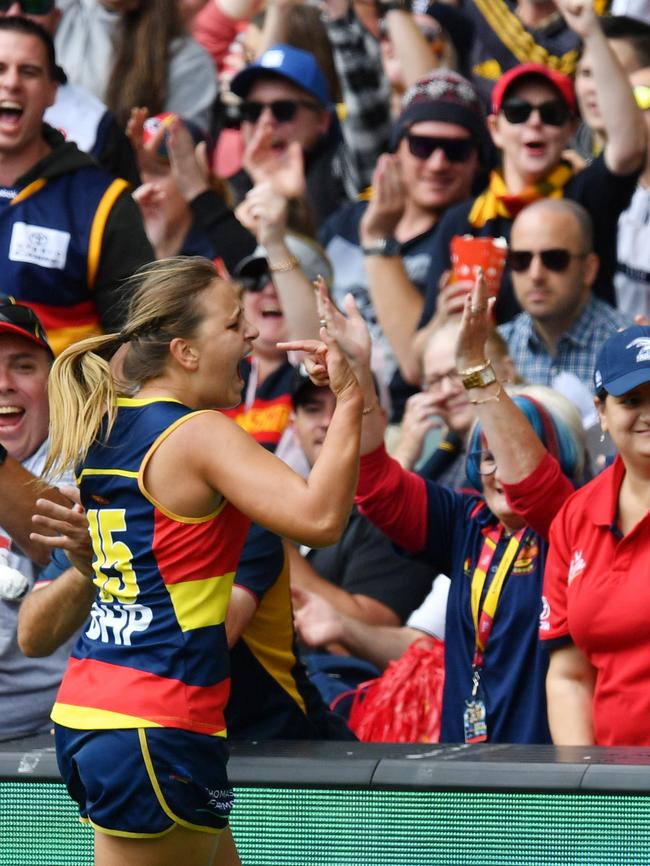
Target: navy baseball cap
(623,362)
(284,61)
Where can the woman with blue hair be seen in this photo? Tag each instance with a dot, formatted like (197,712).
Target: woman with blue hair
(524,459)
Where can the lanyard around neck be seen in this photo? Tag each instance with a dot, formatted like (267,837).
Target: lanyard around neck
(483,618)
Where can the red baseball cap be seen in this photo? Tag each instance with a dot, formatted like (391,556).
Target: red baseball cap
(561,82)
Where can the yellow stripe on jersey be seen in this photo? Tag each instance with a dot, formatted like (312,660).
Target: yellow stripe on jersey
(201,603)
(87,718)
(143,466)
(30,189)
(60,338)
(269,636)
(99,225)
(91,718)
(125,473)
(144,401)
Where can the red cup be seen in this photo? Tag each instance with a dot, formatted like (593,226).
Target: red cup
(469,253)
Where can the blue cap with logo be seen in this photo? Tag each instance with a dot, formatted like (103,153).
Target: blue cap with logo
(623,362)
(284,61)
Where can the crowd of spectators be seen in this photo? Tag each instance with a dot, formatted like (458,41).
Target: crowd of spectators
(326,157)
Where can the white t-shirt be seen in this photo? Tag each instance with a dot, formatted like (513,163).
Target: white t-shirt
(633,253)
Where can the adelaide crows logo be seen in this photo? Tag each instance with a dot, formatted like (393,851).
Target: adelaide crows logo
(643,345)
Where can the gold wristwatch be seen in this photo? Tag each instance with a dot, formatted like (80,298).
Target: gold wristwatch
(478,377)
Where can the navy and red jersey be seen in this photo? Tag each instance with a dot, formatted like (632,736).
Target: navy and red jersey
(154,653)
(52,249)
(266,413)
(272,697)
(446,529)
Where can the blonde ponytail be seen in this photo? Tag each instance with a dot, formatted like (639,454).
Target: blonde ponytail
(81,391)
(164,304)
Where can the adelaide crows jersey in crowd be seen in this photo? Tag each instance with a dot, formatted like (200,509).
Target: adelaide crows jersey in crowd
(154,653)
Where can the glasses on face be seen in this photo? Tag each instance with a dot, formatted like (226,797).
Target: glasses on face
(551,113)
(556,260)
(454,149)
(642,96)
(434,383)
(283,110)
(255,284)
(483,461)
(29,7)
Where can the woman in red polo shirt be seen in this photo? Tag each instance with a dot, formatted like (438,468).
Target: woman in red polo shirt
(597,579)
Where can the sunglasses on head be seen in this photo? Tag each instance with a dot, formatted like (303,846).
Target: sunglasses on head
(642,96)
(29,7)
(283,110)
(454,149)
(551,113)
(556,260)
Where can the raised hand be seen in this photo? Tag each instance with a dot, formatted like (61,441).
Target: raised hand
(350,331)
(146,154)
(285,169)
(189,163)
(325,362)
(264,213)
(580,15)
(475,325)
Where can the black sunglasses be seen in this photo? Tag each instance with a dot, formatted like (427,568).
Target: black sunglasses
(283,110)
(29,7)
(556,260)
(551,113)
(454,149)
(255,284)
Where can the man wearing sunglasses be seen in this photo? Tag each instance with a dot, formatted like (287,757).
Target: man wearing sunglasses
(562,326)
(285,99)
(70,233)
(533,117)
(437,144)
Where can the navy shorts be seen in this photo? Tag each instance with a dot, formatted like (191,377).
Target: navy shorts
(142,782)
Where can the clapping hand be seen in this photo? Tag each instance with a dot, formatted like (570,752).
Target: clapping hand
(284,169)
